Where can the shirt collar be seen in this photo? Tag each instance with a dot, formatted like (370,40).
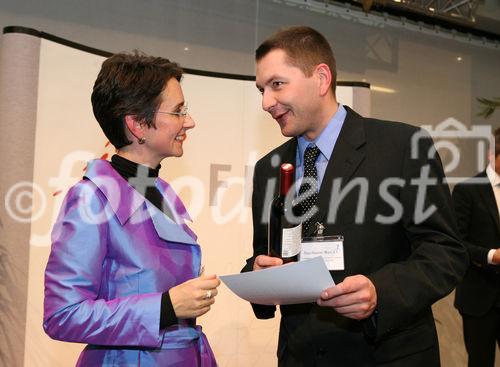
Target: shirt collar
(492,176)
(328,137)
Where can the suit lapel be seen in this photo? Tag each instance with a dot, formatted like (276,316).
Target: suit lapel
(488,197)
(288,155)
(167,229)
(346,158)
(289,152)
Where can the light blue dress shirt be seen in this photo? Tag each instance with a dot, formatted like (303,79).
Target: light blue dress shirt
(325,142)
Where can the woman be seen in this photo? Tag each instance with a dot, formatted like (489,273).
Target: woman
(124,271)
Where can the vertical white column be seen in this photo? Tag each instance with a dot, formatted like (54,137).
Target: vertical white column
(19,64)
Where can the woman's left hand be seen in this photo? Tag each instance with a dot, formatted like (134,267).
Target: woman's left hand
(194,297)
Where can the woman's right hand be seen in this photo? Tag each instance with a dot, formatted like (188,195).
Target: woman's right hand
(190,300)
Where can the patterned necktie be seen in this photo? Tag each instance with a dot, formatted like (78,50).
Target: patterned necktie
(310,181)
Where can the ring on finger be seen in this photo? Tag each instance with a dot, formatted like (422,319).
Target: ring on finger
(209,294)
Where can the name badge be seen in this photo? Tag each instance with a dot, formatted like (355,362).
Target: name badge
(330,248)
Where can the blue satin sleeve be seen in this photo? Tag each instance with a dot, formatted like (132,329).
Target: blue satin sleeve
(75,275)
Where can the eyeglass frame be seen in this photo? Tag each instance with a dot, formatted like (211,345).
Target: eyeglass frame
(182,113)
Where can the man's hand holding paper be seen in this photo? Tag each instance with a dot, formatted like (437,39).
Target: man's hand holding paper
(355,297)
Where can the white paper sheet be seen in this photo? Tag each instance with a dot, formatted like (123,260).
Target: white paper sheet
(299,282)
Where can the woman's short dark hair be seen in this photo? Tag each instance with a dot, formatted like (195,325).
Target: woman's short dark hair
(130,84)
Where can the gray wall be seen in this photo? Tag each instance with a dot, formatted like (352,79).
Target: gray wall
(221,35)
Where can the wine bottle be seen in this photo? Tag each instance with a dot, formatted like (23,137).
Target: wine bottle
(284,236)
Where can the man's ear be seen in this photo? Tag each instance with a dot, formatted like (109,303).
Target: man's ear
(325,78)
(134,126)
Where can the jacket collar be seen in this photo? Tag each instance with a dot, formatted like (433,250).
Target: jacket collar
(488,196)
(123,199)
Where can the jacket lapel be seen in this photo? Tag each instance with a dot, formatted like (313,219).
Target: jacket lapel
(167,229)
(128,204)
(488,197)
(346,158)
(122,198)
(170,225)
(288,155)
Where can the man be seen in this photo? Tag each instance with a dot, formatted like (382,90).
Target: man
(401,251)
(477,205)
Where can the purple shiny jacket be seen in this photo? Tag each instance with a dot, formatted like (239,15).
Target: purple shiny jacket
(113,254)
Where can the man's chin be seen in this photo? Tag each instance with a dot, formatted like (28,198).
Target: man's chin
(287,132)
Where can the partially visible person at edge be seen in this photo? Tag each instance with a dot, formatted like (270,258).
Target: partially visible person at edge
(398,261)
(477,298)
(124,273)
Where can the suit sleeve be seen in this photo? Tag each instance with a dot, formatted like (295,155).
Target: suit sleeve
(74,278)
(259,236)
(437,259)
(463,202)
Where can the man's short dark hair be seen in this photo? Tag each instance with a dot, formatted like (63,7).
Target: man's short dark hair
(130,84)
(305,48)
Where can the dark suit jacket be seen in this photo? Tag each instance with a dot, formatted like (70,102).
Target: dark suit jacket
(411,264)
(479,226)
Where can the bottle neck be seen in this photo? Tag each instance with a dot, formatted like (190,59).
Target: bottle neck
(286,178)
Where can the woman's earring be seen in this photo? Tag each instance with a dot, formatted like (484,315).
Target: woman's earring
(141,140)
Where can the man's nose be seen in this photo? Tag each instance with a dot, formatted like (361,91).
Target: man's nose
(268,100)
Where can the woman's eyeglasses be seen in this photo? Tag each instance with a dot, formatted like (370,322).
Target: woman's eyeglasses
(182,113)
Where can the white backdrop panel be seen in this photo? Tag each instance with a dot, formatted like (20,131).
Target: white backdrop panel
(213,178)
